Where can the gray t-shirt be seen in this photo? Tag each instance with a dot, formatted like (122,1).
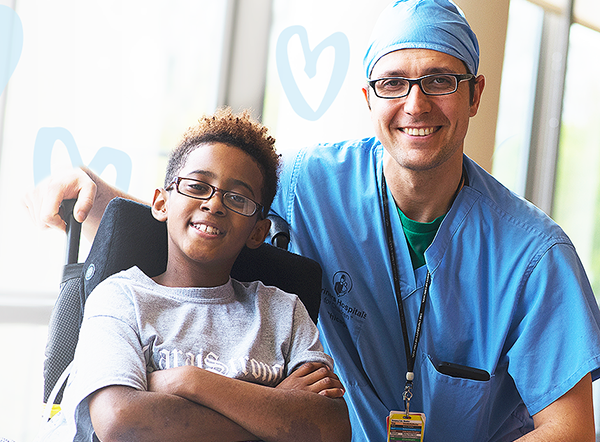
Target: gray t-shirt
(133,326)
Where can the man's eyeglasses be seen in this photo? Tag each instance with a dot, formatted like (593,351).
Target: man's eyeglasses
(434,84)
(200,190)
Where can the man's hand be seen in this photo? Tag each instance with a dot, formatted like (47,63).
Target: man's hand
(92,193)
(44,200)
(315,377)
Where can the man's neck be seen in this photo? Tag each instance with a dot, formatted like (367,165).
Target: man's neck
(423,195)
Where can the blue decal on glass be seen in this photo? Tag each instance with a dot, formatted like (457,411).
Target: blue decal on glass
(119,159)
(11,43)
(42,157)
(339,42)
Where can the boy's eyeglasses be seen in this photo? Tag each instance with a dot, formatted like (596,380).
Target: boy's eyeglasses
(203,191)
(434,84)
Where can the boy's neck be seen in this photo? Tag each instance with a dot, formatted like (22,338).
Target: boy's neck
(183,276)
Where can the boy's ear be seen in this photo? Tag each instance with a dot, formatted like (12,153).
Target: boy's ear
(159,205)
(259,233)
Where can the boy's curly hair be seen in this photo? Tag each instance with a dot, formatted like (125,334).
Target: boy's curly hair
(237,130)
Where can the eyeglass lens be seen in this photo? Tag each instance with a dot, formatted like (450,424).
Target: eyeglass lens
(431,84)
(204,191)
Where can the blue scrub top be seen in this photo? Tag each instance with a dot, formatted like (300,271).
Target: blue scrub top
(508,295)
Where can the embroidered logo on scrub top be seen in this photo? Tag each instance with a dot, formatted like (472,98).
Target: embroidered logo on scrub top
(342,283)
(342,309)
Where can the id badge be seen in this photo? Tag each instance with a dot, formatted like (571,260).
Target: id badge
(403,428)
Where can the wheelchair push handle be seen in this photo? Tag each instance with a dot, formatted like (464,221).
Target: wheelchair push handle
(73,229)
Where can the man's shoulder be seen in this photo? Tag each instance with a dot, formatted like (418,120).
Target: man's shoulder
(512,208)
(335,158)
(355,148)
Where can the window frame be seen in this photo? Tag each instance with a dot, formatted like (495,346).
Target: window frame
(548,104)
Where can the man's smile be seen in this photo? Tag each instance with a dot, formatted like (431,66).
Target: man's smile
(418,131)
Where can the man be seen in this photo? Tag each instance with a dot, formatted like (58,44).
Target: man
(428,247)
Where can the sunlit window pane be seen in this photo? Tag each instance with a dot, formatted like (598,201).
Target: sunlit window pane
(517,94)
(22,384)
(116,81)
(577,194)
(304,106)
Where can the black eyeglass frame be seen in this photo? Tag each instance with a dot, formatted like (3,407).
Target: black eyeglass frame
(418,81)
(176,181)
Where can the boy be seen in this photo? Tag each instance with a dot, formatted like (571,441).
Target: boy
(165,358)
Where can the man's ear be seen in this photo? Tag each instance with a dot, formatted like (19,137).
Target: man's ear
(259,233)
(365,91)
(479,85)
(159,205)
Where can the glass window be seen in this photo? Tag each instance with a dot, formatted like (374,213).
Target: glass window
(108,84)
(21,388)
(577,192)
(304,106)
(576,204)
(517,94)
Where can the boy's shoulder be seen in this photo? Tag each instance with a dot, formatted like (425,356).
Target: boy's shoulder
(258,290)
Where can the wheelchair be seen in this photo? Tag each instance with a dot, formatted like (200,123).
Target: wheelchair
(129,235)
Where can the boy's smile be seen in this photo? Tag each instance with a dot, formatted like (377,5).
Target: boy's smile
(209,230)
(204,236)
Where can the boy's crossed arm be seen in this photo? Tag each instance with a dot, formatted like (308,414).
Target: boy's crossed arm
(122,413)
(190,403)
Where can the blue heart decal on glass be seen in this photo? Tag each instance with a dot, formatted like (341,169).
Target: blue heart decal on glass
(42,156)
(339,42)
(11,43)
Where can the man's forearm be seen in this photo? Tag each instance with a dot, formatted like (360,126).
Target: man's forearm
(560,433)
(569,418)
(124,414)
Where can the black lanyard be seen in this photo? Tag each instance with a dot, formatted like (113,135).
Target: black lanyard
(410,355)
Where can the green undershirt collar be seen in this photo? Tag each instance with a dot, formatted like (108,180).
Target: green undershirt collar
(419,236)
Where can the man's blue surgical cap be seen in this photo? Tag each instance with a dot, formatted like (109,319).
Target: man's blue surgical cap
(439,25)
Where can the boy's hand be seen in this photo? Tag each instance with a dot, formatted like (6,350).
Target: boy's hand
(168,381)
(315,377)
